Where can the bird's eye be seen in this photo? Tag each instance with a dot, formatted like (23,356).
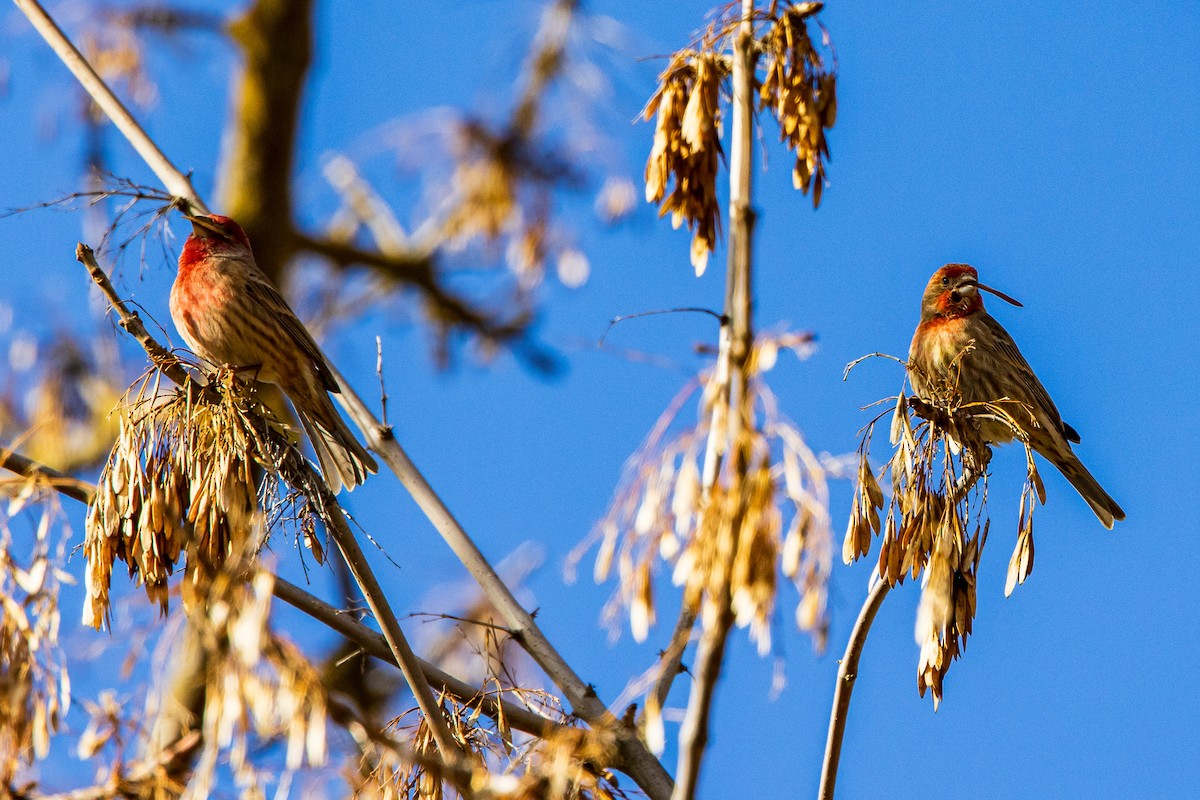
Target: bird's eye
(945,281)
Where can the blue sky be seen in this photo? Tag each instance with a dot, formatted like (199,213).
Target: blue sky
(1052,145)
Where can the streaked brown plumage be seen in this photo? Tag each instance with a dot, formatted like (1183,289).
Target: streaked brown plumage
(953,319)
(230,314)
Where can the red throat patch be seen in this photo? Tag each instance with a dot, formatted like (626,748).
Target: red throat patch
(965,307)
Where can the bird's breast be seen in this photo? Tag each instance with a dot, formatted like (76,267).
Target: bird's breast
(201,298)
(938,342)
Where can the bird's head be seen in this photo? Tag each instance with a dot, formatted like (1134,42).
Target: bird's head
(953,291)
(215,231)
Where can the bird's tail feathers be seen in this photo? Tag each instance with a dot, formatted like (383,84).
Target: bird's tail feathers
(1105,508)
(344,462)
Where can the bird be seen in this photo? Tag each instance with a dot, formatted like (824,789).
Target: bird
(230,314)
(959,347)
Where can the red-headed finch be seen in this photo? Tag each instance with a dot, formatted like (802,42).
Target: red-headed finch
(959,347)
(230,314)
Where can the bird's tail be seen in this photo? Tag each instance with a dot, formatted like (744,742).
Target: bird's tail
(344,462)
(1105,508)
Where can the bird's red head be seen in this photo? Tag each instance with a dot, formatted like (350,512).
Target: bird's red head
(213,234)
(953,291)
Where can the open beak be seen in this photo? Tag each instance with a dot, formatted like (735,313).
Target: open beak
(999,294)
(200,226)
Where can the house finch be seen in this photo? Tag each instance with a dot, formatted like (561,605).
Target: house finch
(230,314)
(959,348)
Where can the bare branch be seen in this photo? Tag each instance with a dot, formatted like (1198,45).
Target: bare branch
(847,675)
(66,485)
(375,645)
(672,657)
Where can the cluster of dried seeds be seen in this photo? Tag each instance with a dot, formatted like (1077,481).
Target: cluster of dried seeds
(800,91)
(180,480)
(35,689)
(687,146)
(937,522)
(261,689)
(729,540)
(798,88)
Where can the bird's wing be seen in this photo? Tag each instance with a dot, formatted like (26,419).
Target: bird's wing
(1038,396)
(260,290)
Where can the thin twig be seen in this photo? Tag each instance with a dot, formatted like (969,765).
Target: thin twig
(847,675)
(736,344)
(323,501)
(684,310)
(672,657)
(383,395)
(860,359)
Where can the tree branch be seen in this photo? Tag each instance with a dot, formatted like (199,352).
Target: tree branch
(639,764)
(672,657)
(373,644)
(255,188)
(416,267)
(733,406)
(66,485)
(847,675)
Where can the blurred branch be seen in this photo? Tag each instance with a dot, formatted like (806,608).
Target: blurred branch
(410,266)
(174,180)
(66,485)
(325,504)
(732,406)
(847,675)
(545,64)
(417,268)
(276,41)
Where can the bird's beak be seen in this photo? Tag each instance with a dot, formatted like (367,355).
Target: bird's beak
(1000,294)
(200,226)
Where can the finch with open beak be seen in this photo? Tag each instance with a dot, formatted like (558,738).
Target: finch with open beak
(952,320)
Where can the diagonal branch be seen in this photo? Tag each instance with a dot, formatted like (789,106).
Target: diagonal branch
(637,761)
(373,644)
(174,180)
(672,658)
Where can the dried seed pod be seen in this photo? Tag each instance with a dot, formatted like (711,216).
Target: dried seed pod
(687,147)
